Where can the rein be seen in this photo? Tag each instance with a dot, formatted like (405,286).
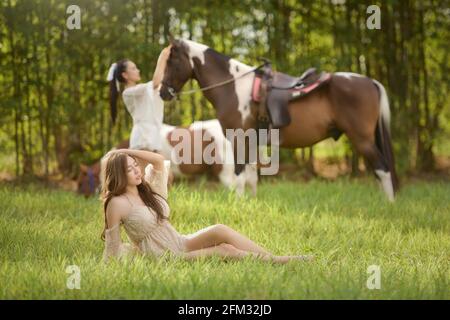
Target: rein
(174,94)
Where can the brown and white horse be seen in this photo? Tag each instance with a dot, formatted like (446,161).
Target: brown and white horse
(201,135)
(348,103)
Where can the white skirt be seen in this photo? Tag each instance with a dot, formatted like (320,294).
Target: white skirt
(145,136)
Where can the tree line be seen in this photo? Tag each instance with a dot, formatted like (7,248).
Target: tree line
(54,96)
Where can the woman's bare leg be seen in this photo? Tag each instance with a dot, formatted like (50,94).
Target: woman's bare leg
(219,233)
(228,251)
(222,250)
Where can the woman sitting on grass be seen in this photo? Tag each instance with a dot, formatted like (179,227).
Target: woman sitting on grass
(139,203)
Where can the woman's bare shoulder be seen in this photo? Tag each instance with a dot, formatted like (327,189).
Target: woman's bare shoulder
(118,208)
(120,201)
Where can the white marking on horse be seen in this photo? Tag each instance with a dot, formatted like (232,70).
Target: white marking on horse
(243,86)
(223,149)
(251,176)
(196,50)
(240,184)
(386,183)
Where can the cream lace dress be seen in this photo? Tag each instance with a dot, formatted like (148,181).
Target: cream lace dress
(143,230)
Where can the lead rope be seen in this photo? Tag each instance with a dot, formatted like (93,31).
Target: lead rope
(174,94)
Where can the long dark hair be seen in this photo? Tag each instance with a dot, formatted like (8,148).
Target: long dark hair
(114,183)
(113,90)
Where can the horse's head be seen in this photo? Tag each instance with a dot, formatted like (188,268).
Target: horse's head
(88,180)
(173,70)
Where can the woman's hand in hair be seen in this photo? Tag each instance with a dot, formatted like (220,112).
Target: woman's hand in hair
(146,157)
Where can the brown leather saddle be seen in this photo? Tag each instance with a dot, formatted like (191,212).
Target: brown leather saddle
(273,91)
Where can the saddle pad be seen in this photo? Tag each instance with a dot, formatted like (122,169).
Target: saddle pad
(297,92)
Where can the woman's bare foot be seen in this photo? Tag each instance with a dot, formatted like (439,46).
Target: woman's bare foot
(286,259)
(305,258)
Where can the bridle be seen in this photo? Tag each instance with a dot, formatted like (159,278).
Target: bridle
(174,94)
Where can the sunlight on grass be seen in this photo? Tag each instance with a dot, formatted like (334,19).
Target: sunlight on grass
(348,225)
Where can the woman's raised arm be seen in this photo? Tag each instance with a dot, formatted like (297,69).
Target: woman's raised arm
(147,157)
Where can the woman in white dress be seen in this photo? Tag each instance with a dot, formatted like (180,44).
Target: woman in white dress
(142,101)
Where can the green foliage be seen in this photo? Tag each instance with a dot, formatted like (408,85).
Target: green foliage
(54,97)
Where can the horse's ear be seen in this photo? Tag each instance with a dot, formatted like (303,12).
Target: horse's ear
(171,38)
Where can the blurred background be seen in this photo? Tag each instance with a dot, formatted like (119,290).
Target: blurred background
(54,97)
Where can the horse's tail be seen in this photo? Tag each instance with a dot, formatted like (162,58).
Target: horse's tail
(383,134)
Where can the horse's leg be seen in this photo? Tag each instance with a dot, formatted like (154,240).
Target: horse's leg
(241,155)
(251,177)
(239,170)
(240,179)
(366,146)
(251,160)
(224,172)
(223,167)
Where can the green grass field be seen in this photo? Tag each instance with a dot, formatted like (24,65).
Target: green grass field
(347,224)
